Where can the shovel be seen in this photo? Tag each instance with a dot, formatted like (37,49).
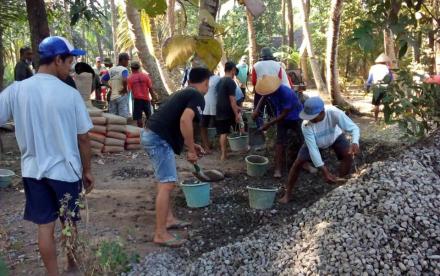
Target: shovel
(207,176)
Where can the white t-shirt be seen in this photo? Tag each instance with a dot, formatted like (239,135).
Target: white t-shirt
(48,116)
(323,134)
(377,73)
(211,97)
(271,68)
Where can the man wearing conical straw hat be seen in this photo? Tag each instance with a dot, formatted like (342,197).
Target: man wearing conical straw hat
(379,77)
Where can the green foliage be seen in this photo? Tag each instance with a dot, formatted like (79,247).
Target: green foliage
(412,104)
(177,50)
(288,55)
(113,258)
(151,7)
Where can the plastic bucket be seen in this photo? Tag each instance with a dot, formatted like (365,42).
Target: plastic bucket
(238,142)
(256,165)
(197,195)
(256,138)
(212,132)
(5,177)
(250,121)
(261,198)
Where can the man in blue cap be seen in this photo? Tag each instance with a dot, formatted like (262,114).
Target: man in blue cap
(324,127)
(52,127)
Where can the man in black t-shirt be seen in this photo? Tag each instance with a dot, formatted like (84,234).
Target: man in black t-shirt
(227,110)
(168,130)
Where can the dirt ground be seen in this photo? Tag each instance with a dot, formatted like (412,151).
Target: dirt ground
(122,203)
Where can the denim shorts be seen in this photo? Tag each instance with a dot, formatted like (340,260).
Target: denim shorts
(341,146)
(119,106)
(43,199)
(161,155)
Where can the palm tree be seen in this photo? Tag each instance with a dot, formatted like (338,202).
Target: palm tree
(114,16)
(332,52)
(308,41)
(38,24)
(252,36)
(171,17)
(205,29)
(290,27)
(148,60)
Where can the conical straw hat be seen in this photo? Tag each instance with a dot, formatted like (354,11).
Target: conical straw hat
(267,85)
(382,58)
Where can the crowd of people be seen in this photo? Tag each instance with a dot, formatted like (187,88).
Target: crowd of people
(52,125)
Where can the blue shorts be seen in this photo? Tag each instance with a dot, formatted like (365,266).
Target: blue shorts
(341,146)
(119,106)
(43,199)
(161,155)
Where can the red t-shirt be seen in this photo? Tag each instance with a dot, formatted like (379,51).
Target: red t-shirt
(140,84)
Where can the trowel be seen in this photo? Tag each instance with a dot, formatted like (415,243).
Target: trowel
(208,175)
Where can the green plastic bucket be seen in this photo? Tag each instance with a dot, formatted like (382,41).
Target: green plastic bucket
(5,177)
(256,165)
(238,142)
(261,198)
(212,132)
(197,195)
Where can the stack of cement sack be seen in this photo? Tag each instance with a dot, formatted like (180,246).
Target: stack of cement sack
(133,141)
(98,133)
(110,133)
(116,133)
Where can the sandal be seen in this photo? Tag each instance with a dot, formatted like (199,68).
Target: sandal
(172,243)
(179,225)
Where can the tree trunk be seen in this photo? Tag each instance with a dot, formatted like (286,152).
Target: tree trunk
(332,52)
(389,46)
(283,21)
(114,16)
(99,44)
(436,9)
(148,60)
(38,25)
(290,27)
(206,30)
(320,85)
(252,36)
(416,48)
(2,62)
(158,54)
(171,17)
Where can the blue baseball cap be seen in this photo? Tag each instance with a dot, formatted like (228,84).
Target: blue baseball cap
(312,107)
(56,45)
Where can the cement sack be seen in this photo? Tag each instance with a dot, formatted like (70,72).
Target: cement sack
(133,132)
(108,149)
(99,120)
(96,145)
(115,119)
(97,152)
(97,137)
(94,111)
(116,135)
(132,141)
(114,142)
(84,84)
(133,146)
(117,128)
(99,129)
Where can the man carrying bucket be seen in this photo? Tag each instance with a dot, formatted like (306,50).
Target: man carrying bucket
(167,131)
(324,127)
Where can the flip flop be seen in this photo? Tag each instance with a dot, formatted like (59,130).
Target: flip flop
(172,243)
(179,225)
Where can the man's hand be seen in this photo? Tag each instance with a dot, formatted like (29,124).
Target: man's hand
(192,157)
(199,149)
(237,118)
(88,182)
(328,176)
(354,149)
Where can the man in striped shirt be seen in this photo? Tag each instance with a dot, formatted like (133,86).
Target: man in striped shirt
(324,127)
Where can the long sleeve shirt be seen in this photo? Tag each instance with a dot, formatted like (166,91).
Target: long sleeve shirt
(323,134)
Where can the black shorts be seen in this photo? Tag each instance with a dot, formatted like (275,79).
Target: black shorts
(207,121)
(283,131)
(378,95)
(224,126)
(139,107)
(341,146)
(43,199)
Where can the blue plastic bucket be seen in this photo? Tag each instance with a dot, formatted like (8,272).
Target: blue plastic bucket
(261,198)
(197,195)
(5,177)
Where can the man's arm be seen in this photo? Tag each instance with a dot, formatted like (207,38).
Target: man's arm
(124,82)
(86,155)
(349,126)
(20,72)
(186,128)
(5,106)
(278,119)
(235,108)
